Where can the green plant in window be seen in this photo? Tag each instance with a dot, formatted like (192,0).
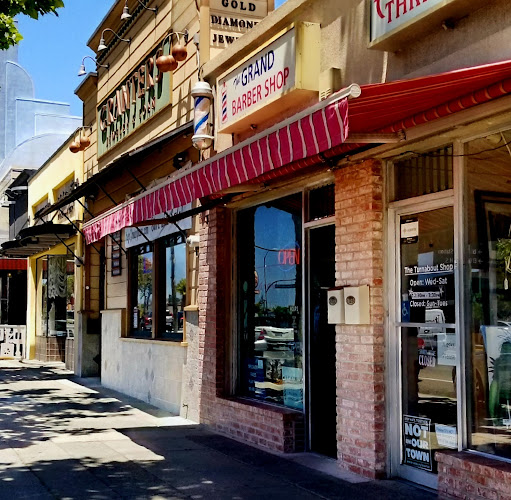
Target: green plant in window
(500,389)
(503,248)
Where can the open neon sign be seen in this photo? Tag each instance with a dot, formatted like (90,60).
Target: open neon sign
(289,257)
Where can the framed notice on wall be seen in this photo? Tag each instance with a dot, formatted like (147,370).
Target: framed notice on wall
(116,255)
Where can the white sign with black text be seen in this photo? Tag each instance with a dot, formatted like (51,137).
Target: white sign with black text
(134,236)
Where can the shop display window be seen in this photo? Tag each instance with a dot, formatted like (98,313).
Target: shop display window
(55,295)
(158,288)
(269,257)
(142,289)
(488,292)
(175,288)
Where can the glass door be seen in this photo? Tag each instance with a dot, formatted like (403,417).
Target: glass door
(424,325)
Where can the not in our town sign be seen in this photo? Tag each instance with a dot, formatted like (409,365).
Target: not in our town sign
(141,95)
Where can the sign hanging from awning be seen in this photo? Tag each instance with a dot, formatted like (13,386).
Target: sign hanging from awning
(137,236)
(307,135)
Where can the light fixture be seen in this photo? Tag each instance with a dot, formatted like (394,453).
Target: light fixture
(82,71)
(126,11)
(102,44)
(203,96)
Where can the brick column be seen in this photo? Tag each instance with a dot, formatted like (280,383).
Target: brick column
(360,348)
(213,306)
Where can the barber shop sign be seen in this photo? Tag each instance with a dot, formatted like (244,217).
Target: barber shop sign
(263,78)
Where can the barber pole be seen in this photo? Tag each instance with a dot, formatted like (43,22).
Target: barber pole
(203,95)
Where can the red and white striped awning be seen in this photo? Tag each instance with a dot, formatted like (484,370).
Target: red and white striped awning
(305,135)
(318,132)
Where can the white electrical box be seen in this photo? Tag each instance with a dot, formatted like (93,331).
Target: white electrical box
(356,305)
(335,306)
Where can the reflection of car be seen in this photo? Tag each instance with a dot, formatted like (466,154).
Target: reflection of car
(272,337)
(428,336)
(504,324)
(147,321)
(169,320)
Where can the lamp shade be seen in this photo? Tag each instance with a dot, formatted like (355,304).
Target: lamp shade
(102,45)
(81,71)
(125,13)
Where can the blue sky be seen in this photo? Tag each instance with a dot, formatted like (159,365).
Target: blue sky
(53,48)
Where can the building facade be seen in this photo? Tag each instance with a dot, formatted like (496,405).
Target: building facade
(343,244)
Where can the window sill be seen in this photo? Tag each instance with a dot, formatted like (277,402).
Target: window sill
(254,403)
(142,340)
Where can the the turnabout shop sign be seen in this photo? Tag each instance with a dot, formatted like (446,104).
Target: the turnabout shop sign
(394,22)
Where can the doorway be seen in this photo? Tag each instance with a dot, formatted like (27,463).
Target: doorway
(423,339)
(322,373)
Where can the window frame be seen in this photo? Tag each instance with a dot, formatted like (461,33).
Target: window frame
(158,295)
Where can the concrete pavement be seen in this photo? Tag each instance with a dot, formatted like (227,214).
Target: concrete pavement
(67,438)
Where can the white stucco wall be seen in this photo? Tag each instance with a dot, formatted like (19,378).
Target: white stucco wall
(149,370)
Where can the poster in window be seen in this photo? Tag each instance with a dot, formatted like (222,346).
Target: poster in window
(417,442)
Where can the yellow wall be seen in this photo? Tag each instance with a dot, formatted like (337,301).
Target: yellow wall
(53,174)
(62,166)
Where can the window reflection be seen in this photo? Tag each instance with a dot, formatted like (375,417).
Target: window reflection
(489,294)
(143,290)
(175,286)
(270,291)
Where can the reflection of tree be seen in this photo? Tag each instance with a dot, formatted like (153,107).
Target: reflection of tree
(181,287)
(145,285)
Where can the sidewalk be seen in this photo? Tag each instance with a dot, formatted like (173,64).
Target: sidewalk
(61,439)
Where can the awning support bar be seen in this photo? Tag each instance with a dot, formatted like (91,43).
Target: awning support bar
(136,179)
(76,227)
(115,203)
(69,249)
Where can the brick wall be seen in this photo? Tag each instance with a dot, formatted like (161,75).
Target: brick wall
(470,476)
(360,348)
(264,425)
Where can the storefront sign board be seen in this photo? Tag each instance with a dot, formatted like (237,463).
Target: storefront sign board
(393,22)
(140,96)
(417,442)
(229,19)
(284,67)
(134,237)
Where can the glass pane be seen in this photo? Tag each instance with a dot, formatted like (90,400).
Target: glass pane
(321,202)
(57,295)
(143,311)
(488,295)
(175,286)
(70,296)
(429,345)
(423,174)
(270,291)
(41,307)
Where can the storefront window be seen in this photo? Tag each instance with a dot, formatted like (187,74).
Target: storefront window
(175,287)
(55,295)
(488,291)
(142,289)
(158,288)
(270,302)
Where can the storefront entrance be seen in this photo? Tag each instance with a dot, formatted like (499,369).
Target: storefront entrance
(423,340)
(322,375)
